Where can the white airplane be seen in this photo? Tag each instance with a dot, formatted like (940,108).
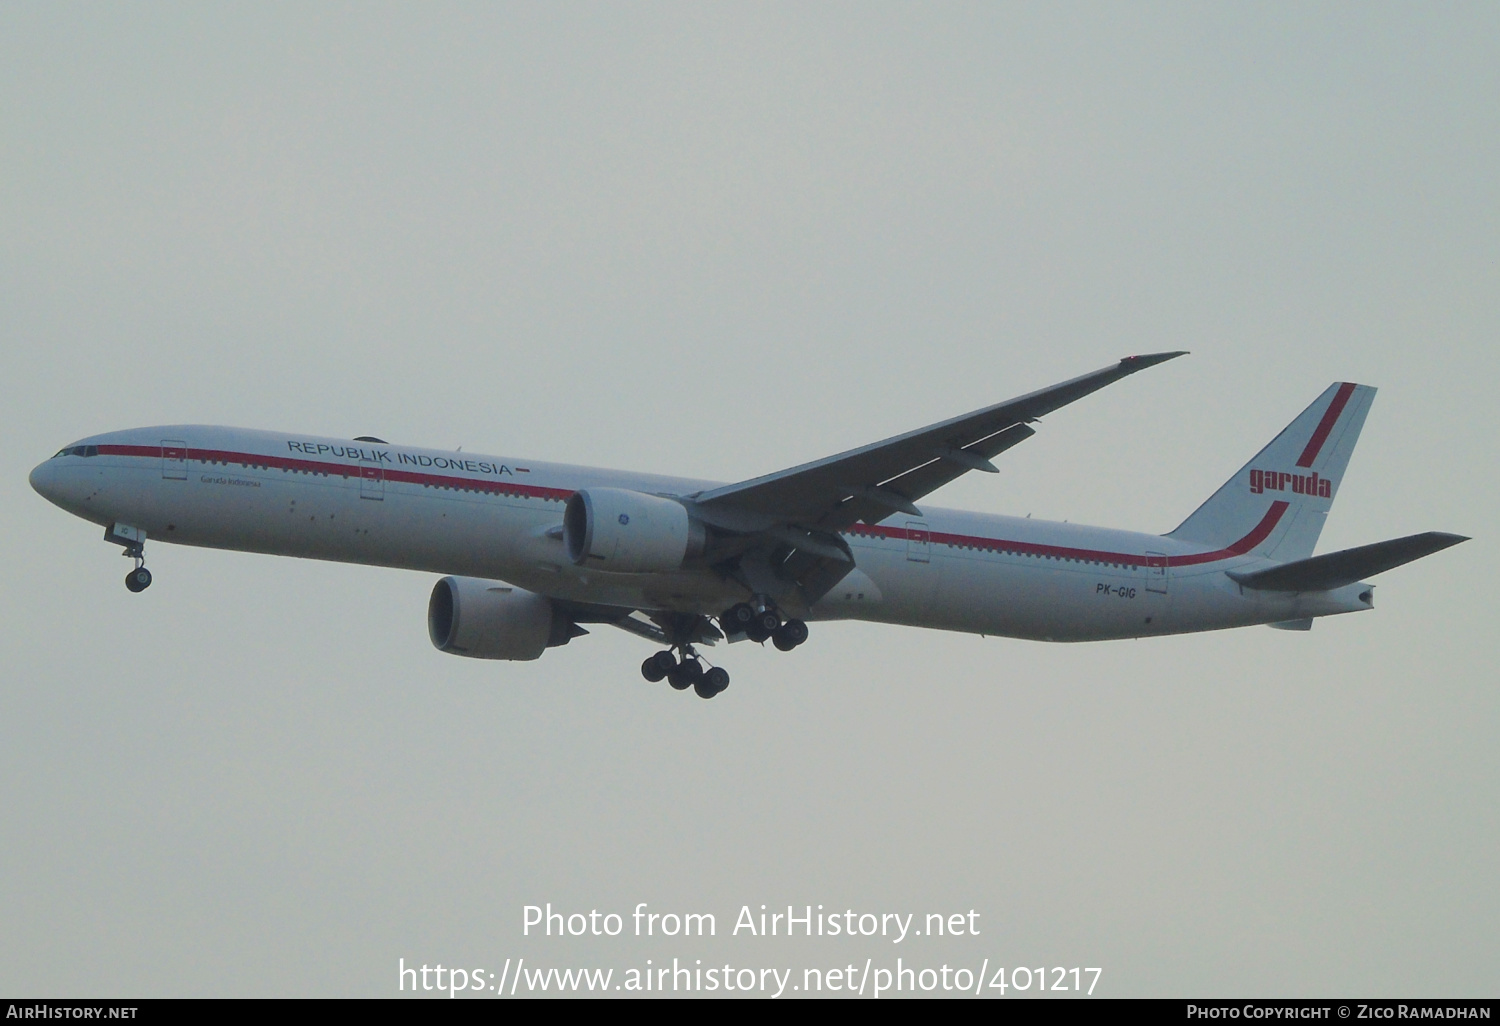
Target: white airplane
(534,549)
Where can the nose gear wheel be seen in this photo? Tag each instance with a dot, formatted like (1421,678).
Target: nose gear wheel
(139,579)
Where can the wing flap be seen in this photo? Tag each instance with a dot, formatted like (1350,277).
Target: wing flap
(929,477)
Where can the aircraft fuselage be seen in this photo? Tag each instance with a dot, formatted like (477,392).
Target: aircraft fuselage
(498,517)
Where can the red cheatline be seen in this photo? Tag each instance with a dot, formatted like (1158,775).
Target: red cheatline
(1257,534)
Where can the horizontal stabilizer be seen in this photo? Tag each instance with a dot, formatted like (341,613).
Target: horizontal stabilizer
(1336,569)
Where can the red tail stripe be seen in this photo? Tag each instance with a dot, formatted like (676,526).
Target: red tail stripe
(1330,418)
(1257,535)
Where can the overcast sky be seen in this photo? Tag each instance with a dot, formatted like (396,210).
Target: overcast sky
(717,241)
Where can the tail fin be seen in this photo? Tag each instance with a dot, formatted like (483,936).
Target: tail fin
(1275,506)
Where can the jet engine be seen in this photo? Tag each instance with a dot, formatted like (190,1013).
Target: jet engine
(629,532)
(492,620)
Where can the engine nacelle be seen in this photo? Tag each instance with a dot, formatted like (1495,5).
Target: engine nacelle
(629,532)
(482,619)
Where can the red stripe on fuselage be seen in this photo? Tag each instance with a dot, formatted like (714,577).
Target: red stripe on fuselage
(1257,534)
(1330,418)
(250,460)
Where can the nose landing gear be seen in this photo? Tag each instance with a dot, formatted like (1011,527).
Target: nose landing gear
(133,541)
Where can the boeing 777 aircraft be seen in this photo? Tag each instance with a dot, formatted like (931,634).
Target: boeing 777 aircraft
(536,550)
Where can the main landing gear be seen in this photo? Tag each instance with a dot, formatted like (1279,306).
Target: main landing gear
(688,673)
(757,620)
(761,622)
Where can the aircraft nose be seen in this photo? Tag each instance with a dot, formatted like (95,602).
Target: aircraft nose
(44,481)
(52,481)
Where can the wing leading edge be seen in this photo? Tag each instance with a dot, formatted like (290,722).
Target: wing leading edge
(874,481)
(788,524)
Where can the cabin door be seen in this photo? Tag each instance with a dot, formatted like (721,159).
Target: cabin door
(371,480)
(174,459)
(1156,572)
(918,542)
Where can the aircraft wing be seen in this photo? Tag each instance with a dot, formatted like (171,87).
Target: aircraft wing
(874,481)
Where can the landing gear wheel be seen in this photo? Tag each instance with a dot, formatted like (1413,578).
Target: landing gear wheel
(768,621)
(685,674)
(713,682)
(658,666)
(789,635)
(138,580)
(737,619)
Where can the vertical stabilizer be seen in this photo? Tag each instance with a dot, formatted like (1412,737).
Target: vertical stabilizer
(1275,506)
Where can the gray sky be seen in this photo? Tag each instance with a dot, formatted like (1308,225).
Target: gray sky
(715,241)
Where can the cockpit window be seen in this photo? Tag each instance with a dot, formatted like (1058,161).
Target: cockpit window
(78,450)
